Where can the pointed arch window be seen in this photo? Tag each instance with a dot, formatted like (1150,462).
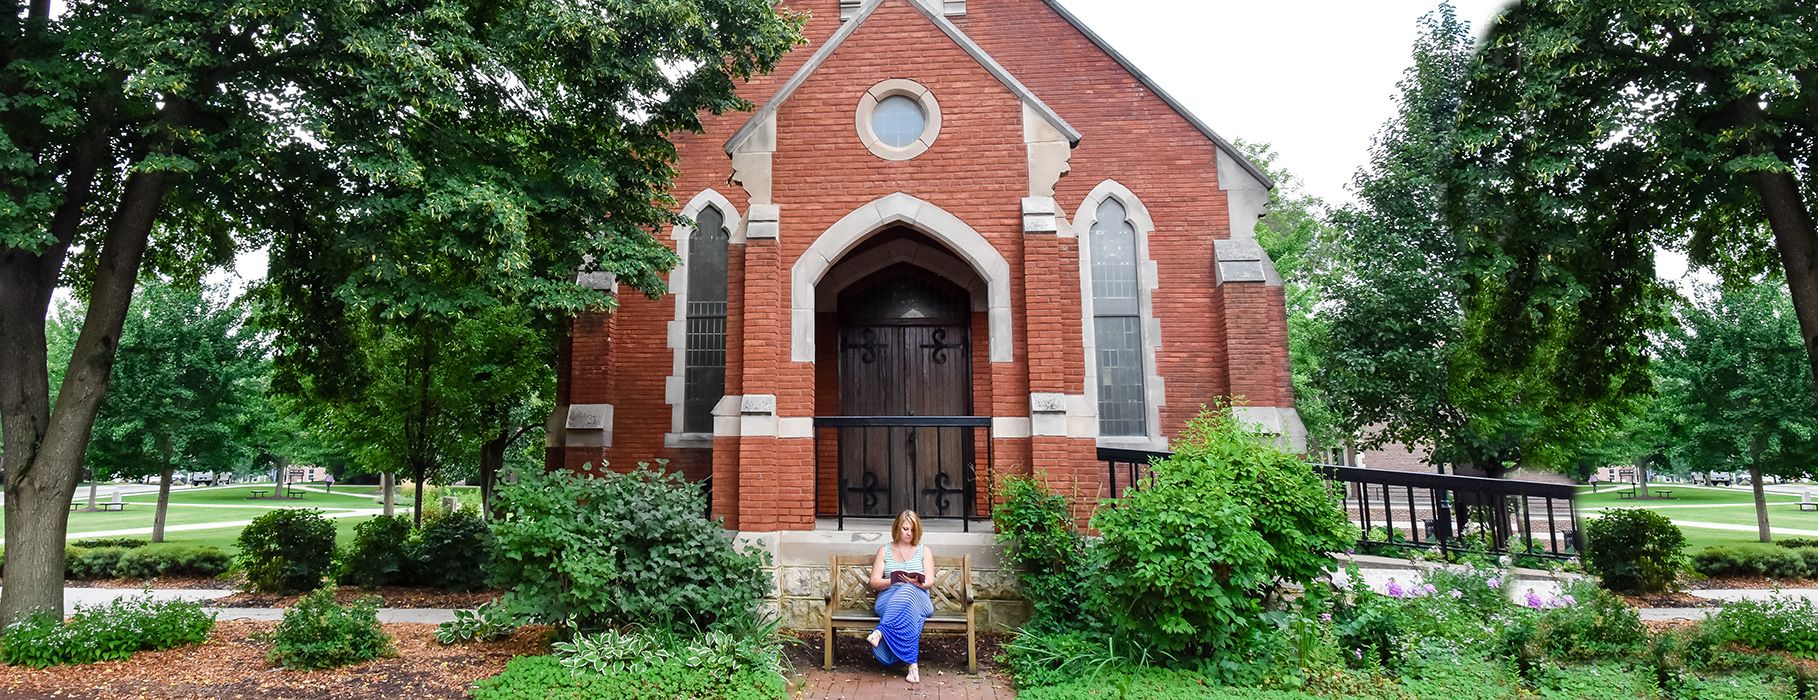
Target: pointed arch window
(1117,322)
(704,362)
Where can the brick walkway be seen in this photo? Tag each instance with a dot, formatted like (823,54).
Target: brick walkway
(869,684)
(856,675)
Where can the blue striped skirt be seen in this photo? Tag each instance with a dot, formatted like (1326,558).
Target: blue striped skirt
(901,609)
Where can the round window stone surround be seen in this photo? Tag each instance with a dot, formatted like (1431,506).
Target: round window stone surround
(898,87)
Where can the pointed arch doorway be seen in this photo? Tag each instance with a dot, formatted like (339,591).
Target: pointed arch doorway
(906,437)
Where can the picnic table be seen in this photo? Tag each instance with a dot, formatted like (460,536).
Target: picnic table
(1626,494)
(1662,493)
(1806,502)
(74,505)
(258,493)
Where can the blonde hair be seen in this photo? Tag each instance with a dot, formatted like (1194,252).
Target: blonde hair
(915,526)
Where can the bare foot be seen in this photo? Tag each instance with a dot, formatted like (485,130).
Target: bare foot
(915,675)
(876,637)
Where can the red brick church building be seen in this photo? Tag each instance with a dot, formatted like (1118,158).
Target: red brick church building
(957,238)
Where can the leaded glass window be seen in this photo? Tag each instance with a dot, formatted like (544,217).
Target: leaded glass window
(704,360)
(1117,322)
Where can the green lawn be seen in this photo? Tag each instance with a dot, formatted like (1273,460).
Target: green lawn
(224,537)
(242,496)
(1682,495)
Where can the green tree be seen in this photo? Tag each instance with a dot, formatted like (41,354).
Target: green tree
(403,161)
(1734,378)
(184,377)
(1593,133)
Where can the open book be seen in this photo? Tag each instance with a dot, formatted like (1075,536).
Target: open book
(905,577)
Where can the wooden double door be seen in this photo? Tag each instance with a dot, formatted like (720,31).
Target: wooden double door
(905,356)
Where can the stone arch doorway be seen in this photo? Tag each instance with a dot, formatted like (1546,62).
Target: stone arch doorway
(902,357)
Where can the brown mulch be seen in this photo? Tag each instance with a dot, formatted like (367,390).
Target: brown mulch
(1759,584)
(1671,600)
(940,652)
(231,665)
(394,596)
(1658,626)
(160,583)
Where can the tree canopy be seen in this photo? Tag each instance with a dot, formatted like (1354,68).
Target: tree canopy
(1592,133)
(408,162)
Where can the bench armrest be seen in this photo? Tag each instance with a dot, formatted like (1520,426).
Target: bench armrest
(966,595)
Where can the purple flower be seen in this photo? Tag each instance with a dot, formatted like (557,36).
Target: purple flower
(1395,590)
(1359,653)
(1495,583)
(1430,589)
(1325,617)
(1569,600)
(1534,600)
(1457,593)
(1350,551)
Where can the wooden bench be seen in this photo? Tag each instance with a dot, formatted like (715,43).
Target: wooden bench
(99,505)
(851,602)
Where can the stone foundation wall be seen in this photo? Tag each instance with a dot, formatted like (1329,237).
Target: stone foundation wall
(802,584)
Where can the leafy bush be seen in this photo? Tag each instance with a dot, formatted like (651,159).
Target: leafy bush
(99,542)
(451,552)
(545,678)
(376,557)
(1591,623)
(1634,551)
(87,564)
(1780,623)
(1189,560)
(716,653)
(152,562)
(614,549)
(1045,547)
(482,624)
(318,633)
(1757,560)
(285,551)
(111,632)
(1797,542)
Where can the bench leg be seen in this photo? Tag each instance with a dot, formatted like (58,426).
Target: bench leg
(971,644)
(827,646)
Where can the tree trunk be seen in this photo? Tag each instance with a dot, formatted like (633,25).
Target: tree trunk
(417,498)
(1761,516)
(388,488)
(1797,238)
(163,502)
(1641,475)
(492,457)
(92,484)
(45,448)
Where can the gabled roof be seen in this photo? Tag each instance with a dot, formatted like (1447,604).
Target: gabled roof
(1179,108)
(1010,83)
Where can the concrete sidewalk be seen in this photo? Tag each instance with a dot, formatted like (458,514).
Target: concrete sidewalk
(89,597)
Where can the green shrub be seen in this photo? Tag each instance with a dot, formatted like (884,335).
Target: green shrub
(451,552)
(615,549)
(99,542)
(1634,551)
(1756,560)
(377,555)
(88,564)
(285,551)
(1045,547)
(1797,542)
(1780,623)
(1591,624)
(545,678)
(111,632)
(318,633)
(152,562)
(1188,560)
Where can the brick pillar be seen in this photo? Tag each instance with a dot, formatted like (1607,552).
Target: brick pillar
(1063,429)
(1256,339)
(775,474)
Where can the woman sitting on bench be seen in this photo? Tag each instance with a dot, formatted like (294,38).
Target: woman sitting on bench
(903,572)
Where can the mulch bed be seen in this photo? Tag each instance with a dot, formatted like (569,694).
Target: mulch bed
(161,583)
(1671,600)
(940,652)
(230,665)
(394,596)
(1759,584)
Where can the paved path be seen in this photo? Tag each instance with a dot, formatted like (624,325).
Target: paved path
(816,684)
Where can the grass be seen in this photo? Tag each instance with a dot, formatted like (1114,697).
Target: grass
(225,537)
(242,495)
(1682,495)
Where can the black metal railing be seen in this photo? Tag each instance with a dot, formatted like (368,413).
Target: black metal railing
(887,464)
(1416,510)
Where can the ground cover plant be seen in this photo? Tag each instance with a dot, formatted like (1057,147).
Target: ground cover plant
(110,632)
(320,633)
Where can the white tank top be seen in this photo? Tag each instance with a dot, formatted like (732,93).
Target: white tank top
(891,564)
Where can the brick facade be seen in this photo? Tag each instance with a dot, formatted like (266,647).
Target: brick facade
(1209,339)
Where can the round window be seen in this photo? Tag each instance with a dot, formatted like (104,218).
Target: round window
(898,121)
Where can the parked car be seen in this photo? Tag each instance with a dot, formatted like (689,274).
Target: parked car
(1713,478)
(209,478)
